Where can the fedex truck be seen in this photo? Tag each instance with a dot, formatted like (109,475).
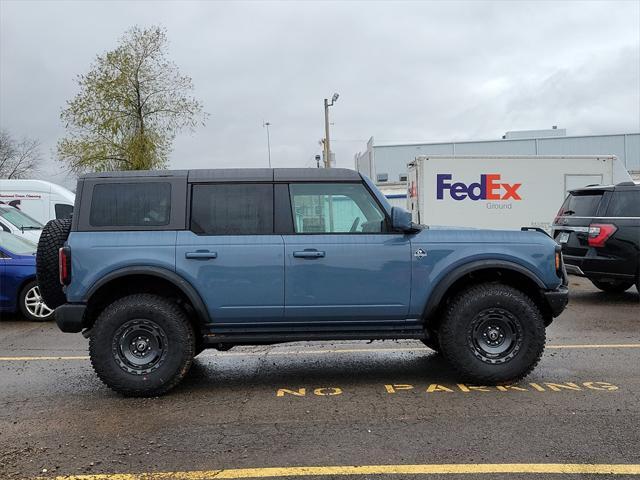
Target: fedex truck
(501,192)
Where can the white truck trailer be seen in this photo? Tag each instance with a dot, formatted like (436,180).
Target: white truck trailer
(501,192)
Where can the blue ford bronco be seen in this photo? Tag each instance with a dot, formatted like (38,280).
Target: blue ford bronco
(156,266)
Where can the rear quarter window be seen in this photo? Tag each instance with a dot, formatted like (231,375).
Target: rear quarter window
(581,204)
(145,204)
(624,203)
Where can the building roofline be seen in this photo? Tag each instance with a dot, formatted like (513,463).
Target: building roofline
(415,144)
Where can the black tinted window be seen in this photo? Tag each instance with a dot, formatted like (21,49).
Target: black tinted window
(130,204)
(63,210)
(624,204)
(581,205)
(233,209)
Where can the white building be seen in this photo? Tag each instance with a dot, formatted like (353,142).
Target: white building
(386,165)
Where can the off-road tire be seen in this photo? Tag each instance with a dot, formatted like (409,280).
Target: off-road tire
(457,325)
(180,345)
(432,341)
(615,286)
(52,238)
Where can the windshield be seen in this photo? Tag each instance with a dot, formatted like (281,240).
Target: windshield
(19,219)
(16,245)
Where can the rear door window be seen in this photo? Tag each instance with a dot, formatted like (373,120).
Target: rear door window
(232,209)
(581,204)
(624,203)
(145,204)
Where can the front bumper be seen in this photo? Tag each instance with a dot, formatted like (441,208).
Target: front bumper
(557,299)
(70,317)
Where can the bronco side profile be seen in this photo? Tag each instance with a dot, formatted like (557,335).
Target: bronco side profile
(157,266)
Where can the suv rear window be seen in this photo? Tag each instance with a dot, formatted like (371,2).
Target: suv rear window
(146,204)
(232,209)
(624,204)
(581,204)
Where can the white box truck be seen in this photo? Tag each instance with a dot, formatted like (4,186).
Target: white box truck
(39,199)
(501,192)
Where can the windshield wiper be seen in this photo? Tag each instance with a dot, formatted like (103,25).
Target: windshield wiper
(569,212)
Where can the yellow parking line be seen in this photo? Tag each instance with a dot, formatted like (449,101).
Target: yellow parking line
(442,469)
(30,359)
(320,352)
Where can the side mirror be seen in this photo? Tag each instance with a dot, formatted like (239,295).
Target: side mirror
(401,219)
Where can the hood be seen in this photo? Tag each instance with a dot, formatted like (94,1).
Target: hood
(442,234)
(32,235)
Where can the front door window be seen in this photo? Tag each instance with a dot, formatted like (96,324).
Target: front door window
(335,208)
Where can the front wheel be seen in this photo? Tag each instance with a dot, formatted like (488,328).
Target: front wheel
(142,345)
(32,305)
(492,333)
(614,286)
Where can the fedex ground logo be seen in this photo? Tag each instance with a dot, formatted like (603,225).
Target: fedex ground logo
(490,187)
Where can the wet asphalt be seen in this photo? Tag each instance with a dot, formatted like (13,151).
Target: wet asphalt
(330,403)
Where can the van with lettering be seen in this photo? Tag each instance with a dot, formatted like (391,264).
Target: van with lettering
(39,199)
(501,192)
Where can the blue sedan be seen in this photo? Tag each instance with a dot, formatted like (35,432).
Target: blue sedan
(18,288)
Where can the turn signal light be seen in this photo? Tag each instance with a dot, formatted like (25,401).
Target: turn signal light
(599,233)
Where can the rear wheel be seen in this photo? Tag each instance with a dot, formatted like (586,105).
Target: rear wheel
(142,345)
(32,305)
(492,333)
(613,286)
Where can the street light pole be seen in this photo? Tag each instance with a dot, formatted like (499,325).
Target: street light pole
(327,149)
(267,124)
(327,143)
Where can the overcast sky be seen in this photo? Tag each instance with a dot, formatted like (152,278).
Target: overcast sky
(405,71)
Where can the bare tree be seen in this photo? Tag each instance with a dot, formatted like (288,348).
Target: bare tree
(18,159)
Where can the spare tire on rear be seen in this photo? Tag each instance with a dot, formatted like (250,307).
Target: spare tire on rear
(53,236)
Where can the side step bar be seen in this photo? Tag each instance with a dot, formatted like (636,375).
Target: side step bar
(282,337)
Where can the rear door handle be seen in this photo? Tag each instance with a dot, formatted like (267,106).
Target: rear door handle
(201,255)
(308,254)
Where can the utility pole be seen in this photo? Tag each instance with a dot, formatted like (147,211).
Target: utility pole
(327,143)
(267,124)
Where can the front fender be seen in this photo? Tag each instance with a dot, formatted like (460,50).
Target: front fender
(452,275)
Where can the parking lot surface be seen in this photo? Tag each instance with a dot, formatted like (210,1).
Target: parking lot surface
(367,409)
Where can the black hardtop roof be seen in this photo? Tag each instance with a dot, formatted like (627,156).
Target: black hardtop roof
(239,174)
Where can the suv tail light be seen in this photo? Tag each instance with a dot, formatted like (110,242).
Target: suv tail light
(599,233)
(64,265)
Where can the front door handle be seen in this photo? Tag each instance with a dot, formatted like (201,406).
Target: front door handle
(308,254)
(201,255)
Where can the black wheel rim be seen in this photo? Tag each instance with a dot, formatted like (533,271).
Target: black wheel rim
(139,346)
(495,335)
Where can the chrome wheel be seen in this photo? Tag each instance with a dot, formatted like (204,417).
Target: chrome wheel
(34,304)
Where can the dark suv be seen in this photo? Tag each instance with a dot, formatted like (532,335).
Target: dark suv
(599,230)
